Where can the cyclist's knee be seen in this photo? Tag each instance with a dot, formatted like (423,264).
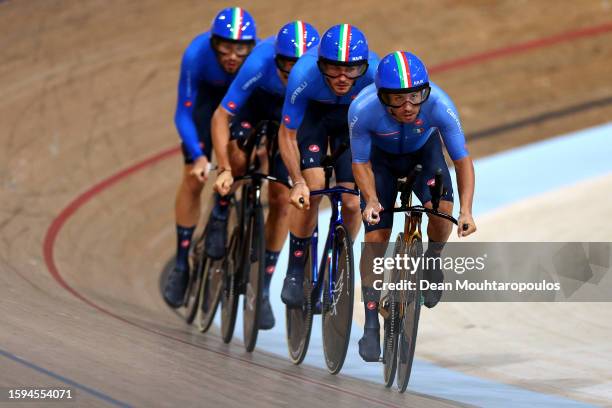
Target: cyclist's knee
(191,182)
(279,200)
(351,203)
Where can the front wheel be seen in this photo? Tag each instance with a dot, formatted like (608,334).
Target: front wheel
(299,320)
(192,299)
(338,292)
(410,302)
(231,277)
(210,294)
(390,306)
(254,266)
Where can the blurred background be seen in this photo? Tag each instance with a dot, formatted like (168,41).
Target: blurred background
(89,167)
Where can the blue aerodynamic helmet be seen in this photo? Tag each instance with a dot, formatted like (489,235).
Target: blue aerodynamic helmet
(234,24)
(402,72)
(344,44)
(294,39)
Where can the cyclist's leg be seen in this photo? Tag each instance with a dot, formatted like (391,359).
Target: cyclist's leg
(351,211)
(438,229)
(187,202)
(312,142)
(376,238)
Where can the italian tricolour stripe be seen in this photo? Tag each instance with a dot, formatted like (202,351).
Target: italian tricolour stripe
(236,23)
(343,46)
(404,69)
(300,42)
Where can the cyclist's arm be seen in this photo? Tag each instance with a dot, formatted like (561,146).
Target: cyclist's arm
(361,145)
(187,95)
(220,136)
(464,168)
(454,140)
(238,93)
(290,152)
(294,108)
(364,177)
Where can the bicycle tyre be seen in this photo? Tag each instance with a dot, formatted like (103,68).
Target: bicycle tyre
(254,267)
(391,325)
(337,308)
(409,322)
(299,320)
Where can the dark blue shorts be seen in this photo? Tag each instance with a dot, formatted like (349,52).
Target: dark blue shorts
(325,125)
(261,105)
(389,167)
(209,97)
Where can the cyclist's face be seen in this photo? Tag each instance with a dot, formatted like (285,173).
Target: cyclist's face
(406,113)
(340,85)
(232,55)
(341,78)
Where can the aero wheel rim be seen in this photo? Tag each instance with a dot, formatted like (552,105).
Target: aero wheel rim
(409,325)
(229,297)
(211,291)
(338,301)
(299,320)
(391,326)
(253,291)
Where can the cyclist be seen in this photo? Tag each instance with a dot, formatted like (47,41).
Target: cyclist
(257,94)
(396,123)
(209,65)
(320,89)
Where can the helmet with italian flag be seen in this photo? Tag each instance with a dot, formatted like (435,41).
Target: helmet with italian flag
(234,24)
(402,77)
(294,39)
(344,43)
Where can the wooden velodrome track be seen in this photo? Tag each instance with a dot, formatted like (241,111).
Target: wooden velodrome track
(88,89)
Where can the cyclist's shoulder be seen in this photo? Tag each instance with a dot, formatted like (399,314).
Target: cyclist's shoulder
(366,107)
(260,58)
(264,48)
(198,51)
(439,101)
(305,71)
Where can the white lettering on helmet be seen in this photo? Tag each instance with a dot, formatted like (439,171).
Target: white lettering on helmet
(252,81)
(298,90)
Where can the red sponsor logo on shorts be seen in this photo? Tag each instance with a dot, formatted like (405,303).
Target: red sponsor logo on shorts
(431,182)
(270,269)
(313,148)
(185,243)
(298,253)
(286,119)
(245,125)
(418,122)
(231,105)
(188,104)
(372,305)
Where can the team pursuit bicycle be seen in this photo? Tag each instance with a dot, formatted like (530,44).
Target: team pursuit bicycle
(244,261)
(401,309)
(328,283)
